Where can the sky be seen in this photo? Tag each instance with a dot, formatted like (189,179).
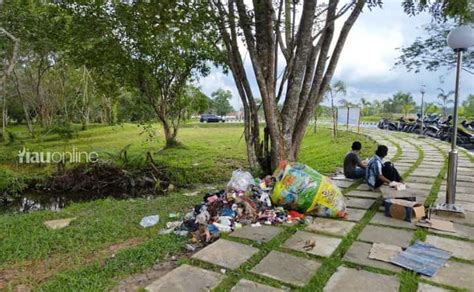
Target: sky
(367,61)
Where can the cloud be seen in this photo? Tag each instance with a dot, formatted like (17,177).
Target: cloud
(217,79)
(367,61)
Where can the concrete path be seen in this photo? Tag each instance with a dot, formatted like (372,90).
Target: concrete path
(269,258)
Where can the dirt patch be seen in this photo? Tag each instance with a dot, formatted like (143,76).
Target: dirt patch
(137,281)
(38,271)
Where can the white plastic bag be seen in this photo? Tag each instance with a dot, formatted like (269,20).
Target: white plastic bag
(240,180)
(149,221)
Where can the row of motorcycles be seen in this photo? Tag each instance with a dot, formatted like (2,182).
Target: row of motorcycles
(433,126)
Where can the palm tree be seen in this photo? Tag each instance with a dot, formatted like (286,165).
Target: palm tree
(377,105)
(404,101)
(338,88)
(365,104)
(444,99)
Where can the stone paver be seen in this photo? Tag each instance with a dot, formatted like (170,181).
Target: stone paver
(298,270)
(363,187)
(386,235)
(364,194)
(463,231)
(422,287)
(245,285)
(419,186)
(420,179)
(346,279)
(359,253)
(380,218)
(324,245)
(359,203)
(331,226)
(342,183)
(186,278)
(460,249)
(355,214)
(225,253)
(262,233)
(455,274)
(287,268)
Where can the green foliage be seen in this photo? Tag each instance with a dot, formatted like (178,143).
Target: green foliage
(445,99)
(400,102)
(220,102)
(11,185)
(154,47)
(431,108)
(64,131)
(469,106)
(441,10)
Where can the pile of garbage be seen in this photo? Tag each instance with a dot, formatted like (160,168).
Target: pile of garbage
(291,193)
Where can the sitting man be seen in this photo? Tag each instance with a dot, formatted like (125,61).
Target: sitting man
(374,174)
(353,167)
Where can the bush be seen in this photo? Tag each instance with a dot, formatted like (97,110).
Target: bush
(64,131)
(11,186)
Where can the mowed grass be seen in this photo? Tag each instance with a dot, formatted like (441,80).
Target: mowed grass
(209,154)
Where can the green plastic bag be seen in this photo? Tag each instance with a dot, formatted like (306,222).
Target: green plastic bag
(301,188)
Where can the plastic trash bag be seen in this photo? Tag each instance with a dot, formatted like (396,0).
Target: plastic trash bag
(240,181)
(149,221)
(301,188)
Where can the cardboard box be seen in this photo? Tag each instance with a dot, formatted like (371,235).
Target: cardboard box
(403,209)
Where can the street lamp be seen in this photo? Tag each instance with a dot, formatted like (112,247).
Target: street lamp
(459,39)
(422,91)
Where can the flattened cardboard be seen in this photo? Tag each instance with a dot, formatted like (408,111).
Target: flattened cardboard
(384,252)
(438,224)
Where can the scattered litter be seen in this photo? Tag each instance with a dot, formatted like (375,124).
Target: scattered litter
(437,224)
(190,247)
(193,194)
(384,252)
(240,180)
(181,232)
(59,223)
(166,231)
(292,194)
(309,245)
(149,221)
(403,209)
(223,271)
(173,224)
(422,258)
(398,186)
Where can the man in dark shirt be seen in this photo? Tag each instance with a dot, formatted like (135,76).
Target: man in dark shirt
(353,166)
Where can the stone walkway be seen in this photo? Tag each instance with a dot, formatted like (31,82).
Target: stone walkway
(270,258)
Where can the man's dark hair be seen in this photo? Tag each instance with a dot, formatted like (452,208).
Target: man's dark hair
(381,151)
(356,145)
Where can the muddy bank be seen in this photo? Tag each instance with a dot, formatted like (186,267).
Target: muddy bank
(86,182)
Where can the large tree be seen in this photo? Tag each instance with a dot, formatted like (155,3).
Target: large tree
(445,99)
(430,51)
(220,101)
(294,48)
(156,47)
(332,92)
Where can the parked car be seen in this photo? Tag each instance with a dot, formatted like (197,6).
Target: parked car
(210,118)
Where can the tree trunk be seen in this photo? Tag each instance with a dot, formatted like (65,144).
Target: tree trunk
(170,135)
(9,65)
(24,105)
(309,67)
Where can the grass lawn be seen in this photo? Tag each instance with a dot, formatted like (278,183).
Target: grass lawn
(79,257)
